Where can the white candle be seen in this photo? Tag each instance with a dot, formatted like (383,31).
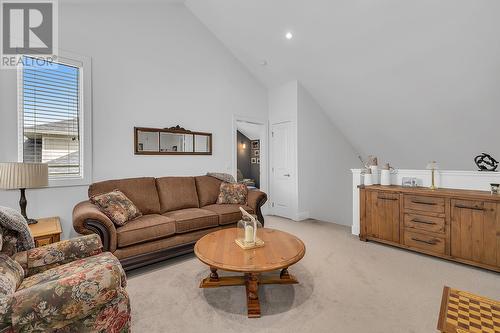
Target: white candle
(249,234)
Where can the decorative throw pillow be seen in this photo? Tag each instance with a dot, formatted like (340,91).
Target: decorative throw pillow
(232,194)
(116,206)
(10,242)
(225,177)
(14,223)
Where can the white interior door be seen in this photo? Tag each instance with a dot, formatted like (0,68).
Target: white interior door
(282,183)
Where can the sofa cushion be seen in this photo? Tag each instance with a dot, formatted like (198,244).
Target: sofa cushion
(233,194)
(208,189)
(191,219)
(145,228)
(178,240)
(228,213)
(177,193)
(116,206)
(141,191)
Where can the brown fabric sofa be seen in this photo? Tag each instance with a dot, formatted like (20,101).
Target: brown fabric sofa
(177,211)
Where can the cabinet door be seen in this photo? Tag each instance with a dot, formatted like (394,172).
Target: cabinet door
(475,231)
(382,216)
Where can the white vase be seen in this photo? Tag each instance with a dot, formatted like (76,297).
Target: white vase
(375,174)
(368,179)
(385,177)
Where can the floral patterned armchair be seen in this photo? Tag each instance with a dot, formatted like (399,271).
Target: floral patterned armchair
(69,286)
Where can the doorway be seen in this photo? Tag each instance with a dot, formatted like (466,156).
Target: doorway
(248,156)
(249,152)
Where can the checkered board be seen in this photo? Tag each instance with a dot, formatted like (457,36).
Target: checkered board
(463,312)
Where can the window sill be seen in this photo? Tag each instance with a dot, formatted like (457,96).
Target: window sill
(68,182)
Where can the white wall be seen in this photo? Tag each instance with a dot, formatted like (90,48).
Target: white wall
(409,81)
(152,65)
(283,102)
(322,156)
(325,158)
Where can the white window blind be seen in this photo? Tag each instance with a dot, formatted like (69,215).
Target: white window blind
(51,117)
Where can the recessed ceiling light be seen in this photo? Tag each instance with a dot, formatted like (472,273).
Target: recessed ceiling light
(289,35)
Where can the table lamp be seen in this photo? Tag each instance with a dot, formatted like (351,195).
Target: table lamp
(21,176)
(433,165)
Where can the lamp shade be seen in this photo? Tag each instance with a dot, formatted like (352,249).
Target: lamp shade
(432,165)
(23,175)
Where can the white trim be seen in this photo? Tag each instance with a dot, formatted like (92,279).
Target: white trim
(85,67)
(467,180)
(301,216)
(20,113)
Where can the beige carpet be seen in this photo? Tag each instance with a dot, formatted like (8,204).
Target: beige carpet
(346,286)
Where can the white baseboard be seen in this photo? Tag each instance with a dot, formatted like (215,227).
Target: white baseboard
(301,216)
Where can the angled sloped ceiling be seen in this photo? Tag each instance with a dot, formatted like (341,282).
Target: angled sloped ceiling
(409,81)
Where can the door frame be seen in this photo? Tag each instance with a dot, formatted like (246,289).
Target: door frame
(264,165)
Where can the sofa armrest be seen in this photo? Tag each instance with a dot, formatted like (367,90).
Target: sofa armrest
(88,219)
(255,201)
(45,257)
(57,302)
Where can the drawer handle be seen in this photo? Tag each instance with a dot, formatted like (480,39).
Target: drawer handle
(431,242)
(467,207)
(383,198)
(424,203)
(423,222)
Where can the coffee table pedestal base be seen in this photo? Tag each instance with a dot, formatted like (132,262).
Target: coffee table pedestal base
(251,281)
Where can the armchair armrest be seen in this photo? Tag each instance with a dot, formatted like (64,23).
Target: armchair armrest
(58,302)
(88,219)
(42,258)
(6,312)
(255,201)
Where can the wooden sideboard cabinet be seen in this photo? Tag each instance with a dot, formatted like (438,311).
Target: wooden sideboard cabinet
(459,225)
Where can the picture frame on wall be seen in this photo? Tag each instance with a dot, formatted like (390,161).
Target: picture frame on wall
(253,160)
(256,144)
(258,160)
(256,153)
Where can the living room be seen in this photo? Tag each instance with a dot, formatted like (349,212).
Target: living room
(148,97)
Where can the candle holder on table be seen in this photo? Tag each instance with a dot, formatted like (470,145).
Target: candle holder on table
(248,232)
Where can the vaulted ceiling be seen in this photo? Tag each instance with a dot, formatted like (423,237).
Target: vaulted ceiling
(408,80)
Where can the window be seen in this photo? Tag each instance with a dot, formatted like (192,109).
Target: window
(55,118)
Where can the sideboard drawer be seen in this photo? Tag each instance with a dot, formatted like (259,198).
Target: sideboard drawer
(426,223)
(424,242)
(423,203)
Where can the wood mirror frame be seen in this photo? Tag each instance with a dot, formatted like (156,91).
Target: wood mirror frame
(172,130)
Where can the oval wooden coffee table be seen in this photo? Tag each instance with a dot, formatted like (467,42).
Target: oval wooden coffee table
(219,251)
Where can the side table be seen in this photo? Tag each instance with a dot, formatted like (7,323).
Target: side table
(46,231)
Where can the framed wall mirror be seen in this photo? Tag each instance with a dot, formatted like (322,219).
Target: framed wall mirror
(171,141)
